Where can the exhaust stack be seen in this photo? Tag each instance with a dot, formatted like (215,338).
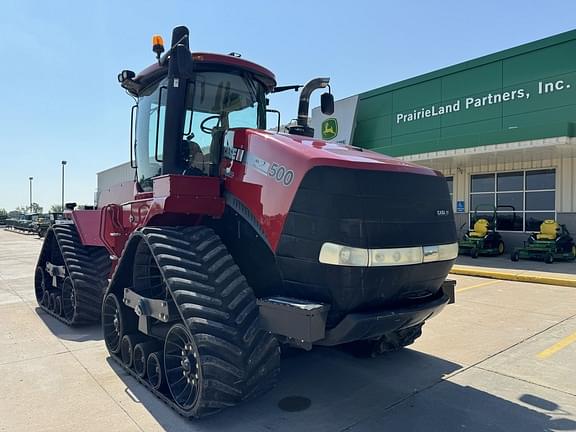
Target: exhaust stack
(301,127)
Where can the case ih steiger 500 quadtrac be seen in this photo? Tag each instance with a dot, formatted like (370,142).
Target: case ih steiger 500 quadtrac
(237,240)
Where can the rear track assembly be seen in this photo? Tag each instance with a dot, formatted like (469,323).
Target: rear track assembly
(70,278)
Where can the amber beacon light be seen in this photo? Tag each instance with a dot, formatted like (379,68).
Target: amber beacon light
(157,45)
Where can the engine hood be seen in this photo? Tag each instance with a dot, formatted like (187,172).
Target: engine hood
(264,170)
(320,152)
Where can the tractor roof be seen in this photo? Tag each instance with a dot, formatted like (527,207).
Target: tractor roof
(155,71)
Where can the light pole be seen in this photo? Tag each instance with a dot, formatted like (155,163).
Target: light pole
(63,163)
(30,178)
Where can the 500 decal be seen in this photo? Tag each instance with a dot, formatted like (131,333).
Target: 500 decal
(278,172)
(281,174)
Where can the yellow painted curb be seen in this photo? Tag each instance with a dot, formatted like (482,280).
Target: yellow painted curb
(517,276)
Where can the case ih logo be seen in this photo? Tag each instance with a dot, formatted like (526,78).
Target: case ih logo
(329,128)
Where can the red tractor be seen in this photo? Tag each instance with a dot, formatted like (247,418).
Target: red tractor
(236,240)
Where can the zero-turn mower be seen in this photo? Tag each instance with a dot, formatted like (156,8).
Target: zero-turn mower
(552,242)
(483,238)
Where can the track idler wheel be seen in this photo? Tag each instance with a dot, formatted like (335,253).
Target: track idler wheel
(155,370)
(116,322)
(140,356)
(39,284)
(183,372)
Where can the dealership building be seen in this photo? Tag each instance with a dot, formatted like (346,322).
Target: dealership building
(501,128)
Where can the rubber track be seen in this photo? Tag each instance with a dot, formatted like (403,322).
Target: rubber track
(88,268)
(239,359)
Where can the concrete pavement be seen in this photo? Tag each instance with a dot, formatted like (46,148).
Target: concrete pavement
(477,367)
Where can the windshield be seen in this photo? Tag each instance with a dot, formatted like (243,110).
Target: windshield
(215,101)
(222,100)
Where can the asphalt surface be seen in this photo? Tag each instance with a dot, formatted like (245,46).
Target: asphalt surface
(501,359)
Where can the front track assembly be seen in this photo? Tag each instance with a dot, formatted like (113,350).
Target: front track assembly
(70,278)
(181,319)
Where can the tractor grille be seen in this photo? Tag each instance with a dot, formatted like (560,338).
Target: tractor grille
(366,209)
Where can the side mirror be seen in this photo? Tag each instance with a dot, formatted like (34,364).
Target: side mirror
(327,103)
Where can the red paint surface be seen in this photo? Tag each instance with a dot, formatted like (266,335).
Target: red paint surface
(185,200)
(270,200)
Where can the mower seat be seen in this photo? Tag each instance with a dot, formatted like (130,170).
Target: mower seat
(549,230)
(480,229)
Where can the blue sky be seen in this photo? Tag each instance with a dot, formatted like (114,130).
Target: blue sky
(60,59)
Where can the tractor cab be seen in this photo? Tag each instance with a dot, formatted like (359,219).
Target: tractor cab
(188,101)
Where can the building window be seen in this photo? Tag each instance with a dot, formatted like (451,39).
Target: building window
(523,198)
(450,182)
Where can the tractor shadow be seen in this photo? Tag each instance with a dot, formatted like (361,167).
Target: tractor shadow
(331,390)
(92,332)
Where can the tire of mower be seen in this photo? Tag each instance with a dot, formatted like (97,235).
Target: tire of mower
(217,355)
(501,248)
(515,256)
(549,258)
(474,253)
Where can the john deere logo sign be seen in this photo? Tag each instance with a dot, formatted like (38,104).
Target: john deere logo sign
(329,128)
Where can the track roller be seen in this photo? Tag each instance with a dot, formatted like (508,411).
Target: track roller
(58,305)
(46,299)
(141,353)
(52,301)
(127,348)
(155,370)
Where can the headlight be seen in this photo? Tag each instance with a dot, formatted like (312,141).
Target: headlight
(398,256)
(334,254)
(343,255)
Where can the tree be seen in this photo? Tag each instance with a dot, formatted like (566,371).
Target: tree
(3,212)
(36,208)
(56,208)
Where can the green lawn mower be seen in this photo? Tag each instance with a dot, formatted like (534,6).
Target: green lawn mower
(553,242)
(484,238)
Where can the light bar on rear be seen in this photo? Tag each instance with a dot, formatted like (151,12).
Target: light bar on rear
(335,254)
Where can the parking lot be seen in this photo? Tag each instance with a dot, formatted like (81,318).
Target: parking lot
(501,359)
